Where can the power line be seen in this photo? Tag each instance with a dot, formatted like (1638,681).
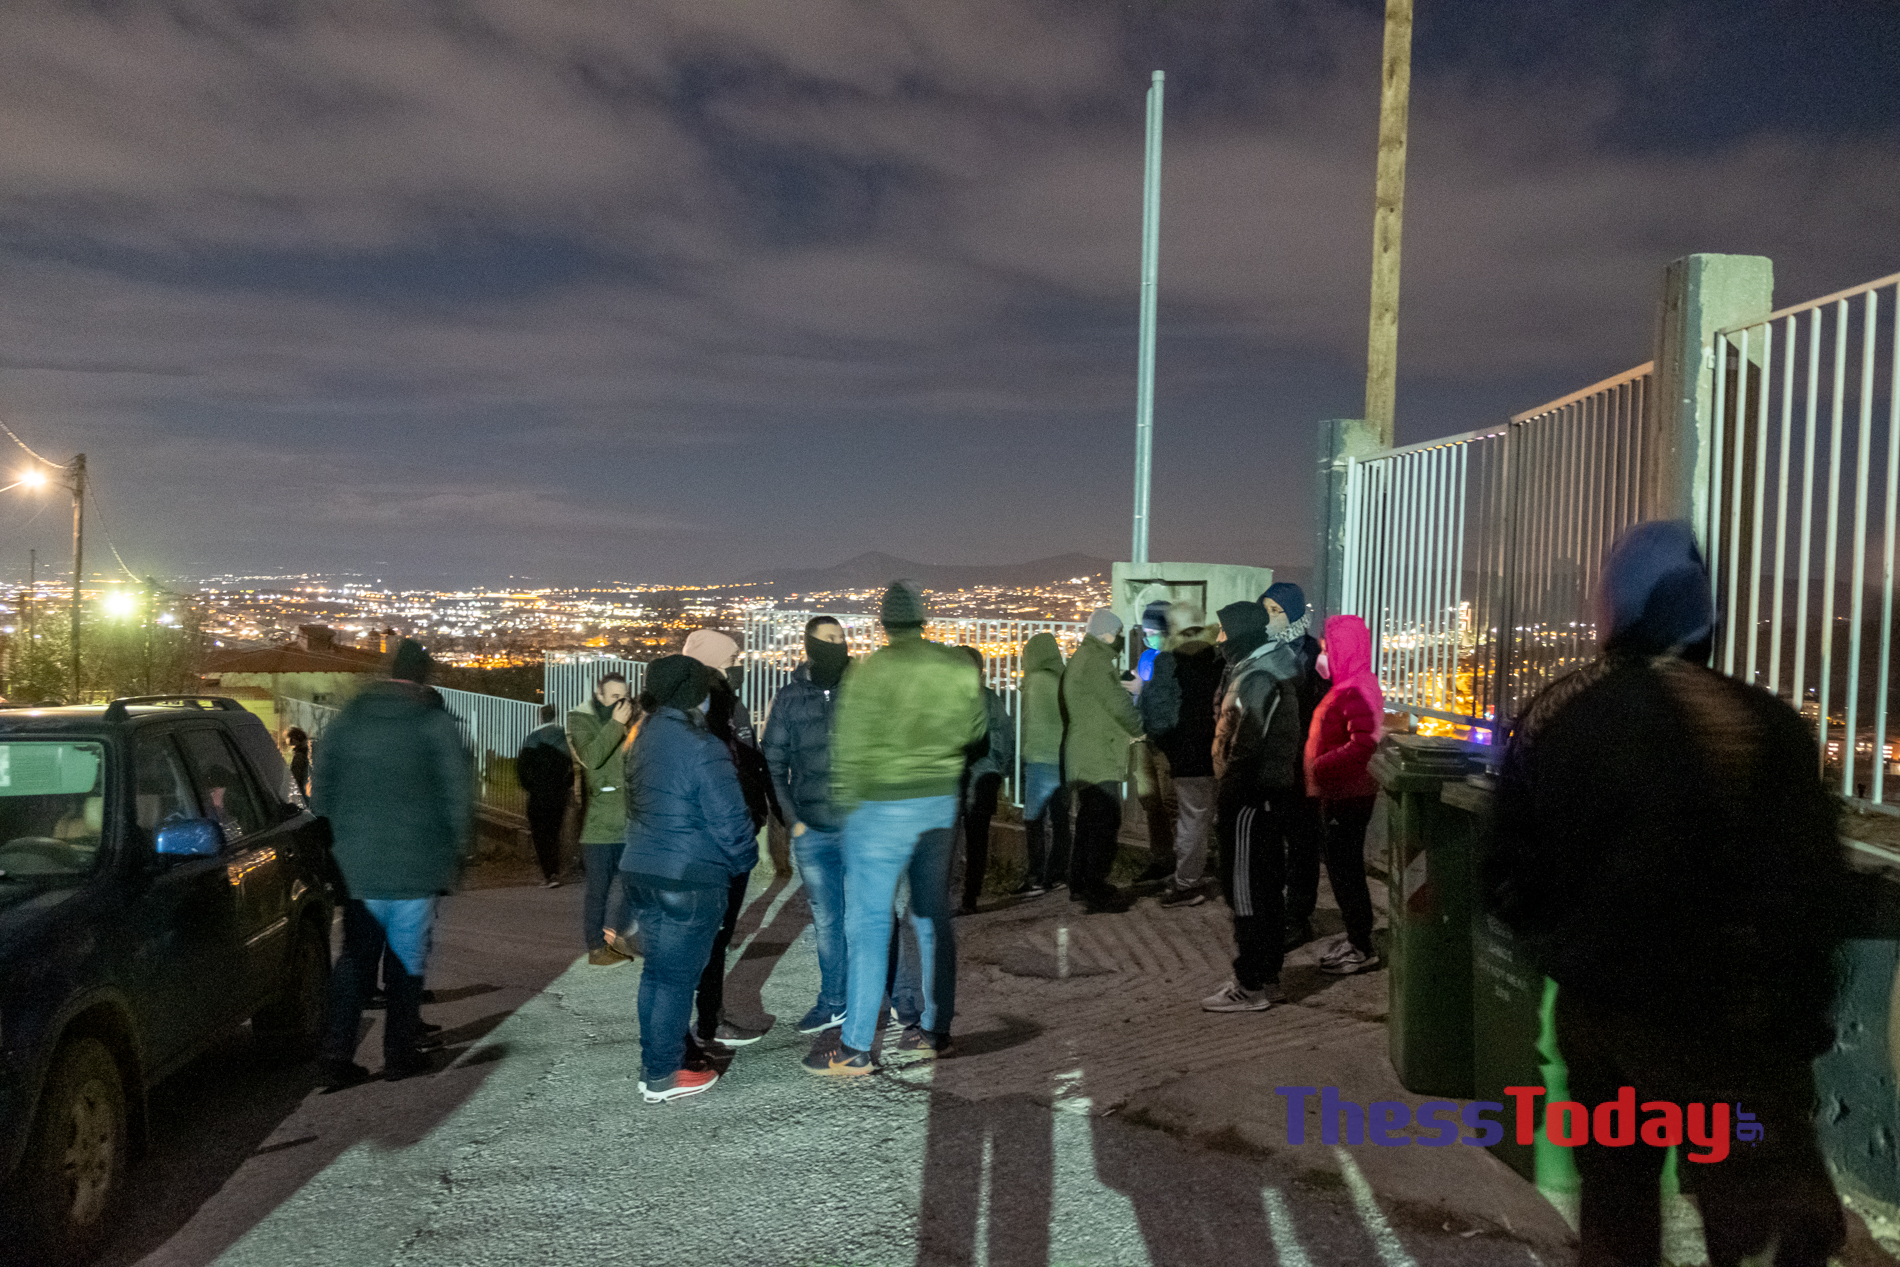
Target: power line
(29,448)
(99,512)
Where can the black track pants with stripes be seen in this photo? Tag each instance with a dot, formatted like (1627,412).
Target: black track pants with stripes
(1253,828)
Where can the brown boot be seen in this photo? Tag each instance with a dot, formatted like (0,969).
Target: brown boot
(604,956)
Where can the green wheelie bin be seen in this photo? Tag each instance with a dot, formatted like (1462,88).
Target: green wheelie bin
(1430,886)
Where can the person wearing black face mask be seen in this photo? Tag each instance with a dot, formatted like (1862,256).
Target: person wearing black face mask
(728,721)
(798,753)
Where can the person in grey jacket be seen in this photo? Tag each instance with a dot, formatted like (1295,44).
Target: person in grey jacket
(688,836)
(798,753)
(393,779)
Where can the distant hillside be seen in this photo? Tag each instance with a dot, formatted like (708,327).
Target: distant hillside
(875,569)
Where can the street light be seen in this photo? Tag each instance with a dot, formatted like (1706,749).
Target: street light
(40,477)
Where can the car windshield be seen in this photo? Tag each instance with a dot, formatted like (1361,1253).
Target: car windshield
(52,807)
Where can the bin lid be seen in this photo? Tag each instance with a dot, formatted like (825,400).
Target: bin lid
(1439,755)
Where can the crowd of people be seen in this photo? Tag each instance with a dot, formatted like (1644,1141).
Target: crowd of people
(876,769)
(1662,845)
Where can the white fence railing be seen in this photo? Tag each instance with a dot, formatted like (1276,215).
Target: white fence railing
(775,645)
(494,729)
(1806,399)
(568,677)
(1471,557)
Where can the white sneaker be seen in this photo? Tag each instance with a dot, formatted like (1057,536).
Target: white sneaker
(1333,947)
(1231,998)
(1347,962)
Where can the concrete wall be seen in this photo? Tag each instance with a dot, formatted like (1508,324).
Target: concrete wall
(1209,586)
(323,688)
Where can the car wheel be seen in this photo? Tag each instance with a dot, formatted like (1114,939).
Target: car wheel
(73,1171)
(290,1026)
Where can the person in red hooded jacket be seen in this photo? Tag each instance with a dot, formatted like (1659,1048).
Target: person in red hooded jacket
(1345,731)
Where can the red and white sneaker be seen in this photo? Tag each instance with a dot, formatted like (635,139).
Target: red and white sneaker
(678,1084)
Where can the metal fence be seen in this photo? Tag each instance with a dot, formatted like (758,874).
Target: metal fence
(775,645)
(569,678)
(1805,396)
(494,729)
(1471,557)
(314,718)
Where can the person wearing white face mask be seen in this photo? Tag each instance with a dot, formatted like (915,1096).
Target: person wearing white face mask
(1177,711)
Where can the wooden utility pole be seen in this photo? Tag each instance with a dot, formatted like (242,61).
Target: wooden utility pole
(1388,220)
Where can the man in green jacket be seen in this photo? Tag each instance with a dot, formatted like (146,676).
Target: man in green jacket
(598,732)
(908,720)
(393,779)
(1099,721)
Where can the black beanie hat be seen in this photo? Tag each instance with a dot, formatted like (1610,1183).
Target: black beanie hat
(412,662)
(677,681)
(904,605)
(1246,628)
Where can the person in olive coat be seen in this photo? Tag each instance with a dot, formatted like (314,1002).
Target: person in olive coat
(598,732)
(1099,721)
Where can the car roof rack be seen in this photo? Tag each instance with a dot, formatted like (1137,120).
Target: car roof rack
(115,711)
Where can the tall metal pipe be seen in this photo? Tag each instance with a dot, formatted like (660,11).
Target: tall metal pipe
(1150,271)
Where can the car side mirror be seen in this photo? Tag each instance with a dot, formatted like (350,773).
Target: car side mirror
(191,838)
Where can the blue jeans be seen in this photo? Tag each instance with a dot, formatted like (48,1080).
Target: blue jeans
(603,864)
(882,841)
(677,927)
(1046,823)
(403,925)
(820,858)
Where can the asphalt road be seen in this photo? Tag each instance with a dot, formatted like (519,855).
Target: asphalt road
(531,1146)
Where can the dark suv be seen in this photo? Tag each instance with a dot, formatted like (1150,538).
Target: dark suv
(161,881)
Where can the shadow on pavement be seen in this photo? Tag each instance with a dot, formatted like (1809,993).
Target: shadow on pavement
(233,1136)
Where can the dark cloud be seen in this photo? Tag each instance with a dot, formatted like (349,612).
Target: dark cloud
(681,289)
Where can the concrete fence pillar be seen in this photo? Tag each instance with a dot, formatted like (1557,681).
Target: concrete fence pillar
(1339,440)
(1700,295)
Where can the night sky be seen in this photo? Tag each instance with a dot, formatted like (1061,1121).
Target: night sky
(448,291)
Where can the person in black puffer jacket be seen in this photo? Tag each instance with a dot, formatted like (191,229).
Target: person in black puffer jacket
(1291,621)
(798,754)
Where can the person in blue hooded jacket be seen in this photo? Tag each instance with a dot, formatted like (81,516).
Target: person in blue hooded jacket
(689,834)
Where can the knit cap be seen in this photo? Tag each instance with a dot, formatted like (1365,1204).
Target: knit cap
(904,605)
(677,681)
(711,648)
(1104,623)
(1292,599)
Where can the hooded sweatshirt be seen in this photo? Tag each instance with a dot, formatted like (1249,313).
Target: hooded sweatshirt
(1350,719)
(1042,707)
